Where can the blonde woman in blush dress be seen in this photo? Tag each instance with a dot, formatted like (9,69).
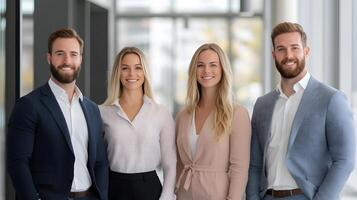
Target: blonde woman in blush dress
(213,134)
(140,133)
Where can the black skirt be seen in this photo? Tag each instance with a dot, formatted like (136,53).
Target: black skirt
(135,186)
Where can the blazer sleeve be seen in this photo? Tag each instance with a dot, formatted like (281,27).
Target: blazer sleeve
(256,160)
(168,156)
(341,144)
(239,153)
(20,140)
(101,168)
(179,165)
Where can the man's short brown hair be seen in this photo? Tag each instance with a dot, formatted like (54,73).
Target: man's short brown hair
(64,33)
(288,27)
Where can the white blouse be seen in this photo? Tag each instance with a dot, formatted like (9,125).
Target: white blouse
(141,145)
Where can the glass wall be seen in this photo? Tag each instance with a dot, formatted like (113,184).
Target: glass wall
(350,190)
(27,63)
(164,6)
(153,37)
(247,60)
(354,61)
(353,179)
(171,31)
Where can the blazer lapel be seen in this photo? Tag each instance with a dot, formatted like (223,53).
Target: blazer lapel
(49,100)
(185,130)
(306,106)
(91,139)
(267,115)
(206,134)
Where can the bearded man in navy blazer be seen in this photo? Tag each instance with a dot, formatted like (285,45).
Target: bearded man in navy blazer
(55,149)
(302,132)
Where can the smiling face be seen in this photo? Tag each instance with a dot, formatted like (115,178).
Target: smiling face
(65,60)
(289,54)
(131,72)
(209,69)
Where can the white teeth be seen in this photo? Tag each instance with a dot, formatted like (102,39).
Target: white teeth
(290,63)
(207,77)
(131,80)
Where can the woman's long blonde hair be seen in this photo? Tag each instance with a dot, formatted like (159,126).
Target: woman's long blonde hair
(115,87)
(224,102)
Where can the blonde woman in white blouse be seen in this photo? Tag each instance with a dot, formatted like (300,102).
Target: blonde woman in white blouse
(140,133)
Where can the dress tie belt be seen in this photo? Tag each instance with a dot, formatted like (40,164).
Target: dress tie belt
(191,169)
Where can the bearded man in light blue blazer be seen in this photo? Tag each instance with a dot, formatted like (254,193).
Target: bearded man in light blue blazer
(302,133)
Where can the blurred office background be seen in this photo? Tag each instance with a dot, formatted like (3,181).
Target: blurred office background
(169,31)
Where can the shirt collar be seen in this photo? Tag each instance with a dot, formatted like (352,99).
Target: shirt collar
(302,84)
(61,93)
(147,100)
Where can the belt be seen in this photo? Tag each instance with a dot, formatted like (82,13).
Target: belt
(132,176)
(191,169)
(283,193)
(79,194)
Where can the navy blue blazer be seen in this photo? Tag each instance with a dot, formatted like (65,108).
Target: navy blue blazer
(40,158)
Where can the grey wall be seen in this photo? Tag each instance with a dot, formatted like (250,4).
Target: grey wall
(91,23)
(99,53)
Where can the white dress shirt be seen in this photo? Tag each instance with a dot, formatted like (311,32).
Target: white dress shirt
(78,131)
(279,177)
(141,145)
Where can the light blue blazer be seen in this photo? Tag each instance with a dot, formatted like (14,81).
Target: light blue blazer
(321,150)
